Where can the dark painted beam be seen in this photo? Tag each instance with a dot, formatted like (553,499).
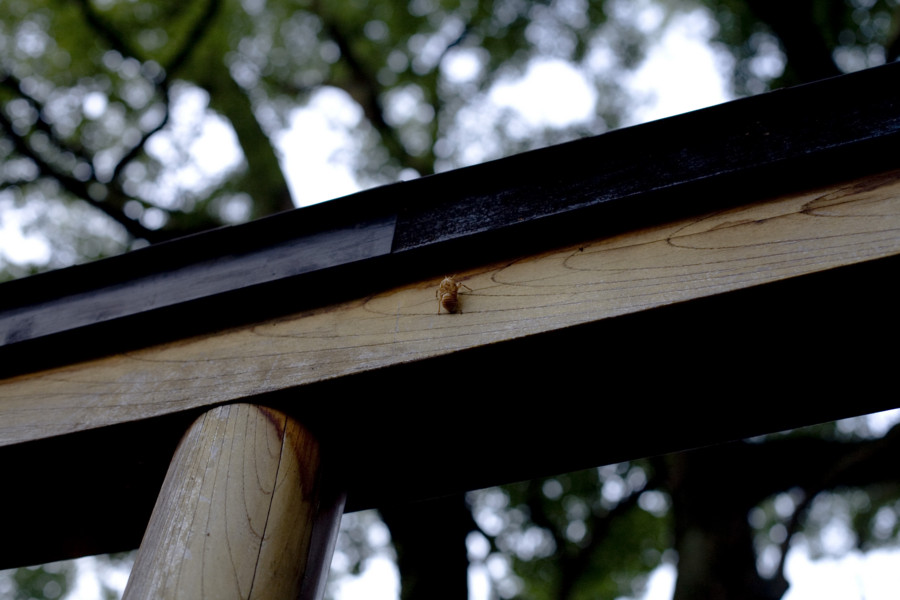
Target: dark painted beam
(708,159)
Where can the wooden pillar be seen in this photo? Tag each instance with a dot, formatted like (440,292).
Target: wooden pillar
(236,514)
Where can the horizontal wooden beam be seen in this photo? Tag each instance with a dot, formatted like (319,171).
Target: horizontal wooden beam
(707,160)
(731,265)
(622,346)
(599,279)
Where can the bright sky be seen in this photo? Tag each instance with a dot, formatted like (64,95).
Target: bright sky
(679,75)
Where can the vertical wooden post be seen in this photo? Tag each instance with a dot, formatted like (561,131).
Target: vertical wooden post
(236,513)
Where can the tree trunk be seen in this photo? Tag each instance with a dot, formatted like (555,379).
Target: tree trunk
(430,540)
(714,541)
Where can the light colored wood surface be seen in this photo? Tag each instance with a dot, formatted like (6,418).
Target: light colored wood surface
(728,250)
(235,515)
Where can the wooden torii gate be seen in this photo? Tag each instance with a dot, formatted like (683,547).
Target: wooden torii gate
(716,275)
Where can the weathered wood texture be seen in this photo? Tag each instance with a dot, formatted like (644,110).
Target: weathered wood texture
(236,513)
(693,258)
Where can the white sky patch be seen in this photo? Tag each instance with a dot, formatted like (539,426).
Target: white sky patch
(209,139)
(379,581)
(309,148)
(463,64)
(551,93)
(872,576)
(22,250)
(681,72)
(216,150)
(95,104)
(661,583)
(479,582)
(880,423)
(15,245)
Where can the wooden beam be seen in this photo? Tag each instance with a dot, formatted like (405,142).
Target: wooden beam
(625,286)
(712,159)
(718,311)
(599,279)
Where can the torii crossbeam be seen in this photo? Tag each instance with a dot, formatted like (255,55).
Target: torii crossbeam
(733,265)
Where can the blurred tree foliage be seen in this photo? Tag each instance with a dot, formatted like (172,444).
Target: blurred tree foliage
(93,93)
(104,106)
(44,581)
(105,102)
(775,44)
(725,515)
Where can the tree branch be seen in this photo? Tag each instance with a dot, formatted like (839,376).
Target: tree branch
(108,33)
(573,566)
(198,31)
(161,82)
(364,88)
(74,186)
(866,459)
(139,146)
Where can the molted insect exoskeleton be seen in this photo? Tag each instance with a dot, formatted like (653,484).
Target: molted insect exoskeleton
(448,294)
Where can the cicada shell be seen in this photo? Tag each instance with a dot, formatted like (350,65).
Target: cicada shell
(447,294)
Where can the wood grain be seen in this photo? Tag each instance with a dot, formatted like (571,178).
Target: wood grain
(784,237)
(235,516)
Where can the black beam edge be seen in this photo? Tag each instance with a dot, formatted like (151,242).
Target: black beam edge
(709,159)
